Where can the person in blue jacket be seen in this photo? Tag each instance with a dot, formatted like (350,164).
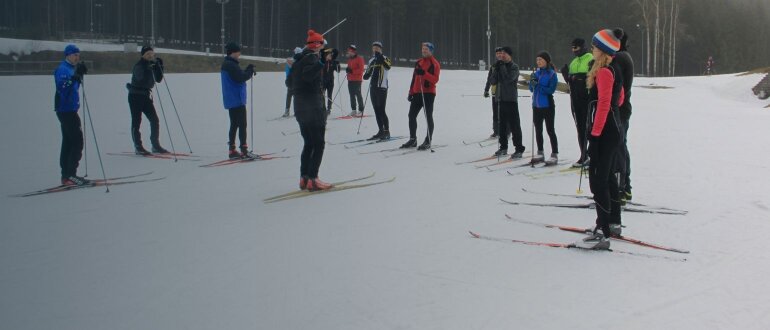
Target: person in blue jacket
(68,77)
(234,97)
(289,94)
(542,85)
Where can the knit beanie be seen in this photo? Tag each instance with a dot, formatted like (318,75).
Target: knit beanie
(146,49)
(232,47)
(314,38)
(545,55)
(606,41)
(71,49)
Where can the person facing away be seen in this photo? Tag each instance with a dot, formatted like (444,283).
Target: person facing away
(146,72)
(377,71)
(306,80)
(355,73)
(234,98)
(422,94)
(68,77)
(543,84)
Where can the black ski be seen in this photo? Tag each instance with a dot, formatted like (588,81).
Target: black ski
(593,206)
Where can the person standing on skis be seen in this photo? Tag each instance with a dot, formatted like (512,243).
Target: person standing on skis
(575,75)
(605,138)
(355,73)
(331,65)
(505,78)
(377,71)
(422,94)
(542,85)
(68,77)
(306,81)
(146,72)
(234,98)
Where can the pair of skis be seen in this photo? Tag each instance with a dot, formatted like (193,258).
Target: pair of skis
(170,156)
(371,142)
(232,161)
(336,186)
(592,205)
(94,183)
(350,117)
(589,197)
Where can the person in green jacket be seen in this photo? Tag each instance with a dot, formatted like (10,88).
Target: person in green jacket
(575,75)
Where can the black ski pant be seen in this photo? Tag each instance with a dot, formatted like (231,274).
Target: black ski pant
(313,133)
(379,100)
(142,104)
(237,124)
(496,117)
(625,159)
(71,143)
(603,151)
(414,110)
(329,89)
(547,115)
(354,89)
(579,99)
(289,95)
(510,123)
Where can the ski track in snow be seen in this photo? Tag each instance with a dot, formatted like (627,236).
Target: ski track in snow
(200,250)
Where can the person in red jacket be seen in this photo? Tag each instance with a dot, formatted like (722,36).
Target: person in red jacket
(422,93)
(605,140)
(355,77)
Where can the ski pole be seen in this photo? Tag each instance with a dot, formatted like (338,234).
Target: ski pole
(500,130)
(532,161)
(85,134)
(360,120)
(339,89)
(96,142)
(335,26)
(427,123)
(251,100)
(165,82)
(584,149)
(165,121)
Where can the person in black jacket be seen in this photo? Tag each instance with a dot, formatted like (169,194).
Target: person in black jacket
(505,78)
(626,63)
(377,70)
(495,115)
(331,65)
(306,79)
(146,72)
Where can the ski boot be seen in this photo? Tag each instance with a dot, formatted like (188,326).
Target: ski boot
(303,181)
(375,136)
(385,136)
(538,158)
(159,150)
(75,180)
(409,144)
(139,150)
(286,113)
(246,154)
(316,185)
(616,230)
(596,241)
(552,160)
(353,113)
(425,145)
(501,152)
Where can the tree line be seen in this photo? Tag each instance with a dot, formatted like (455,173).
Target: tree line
(666,37)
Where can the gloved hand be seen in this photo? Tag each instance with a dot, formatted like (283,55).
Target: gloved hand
(593,142)
(499,63)
(77,78)
(159,61)
(410,98)
(379,58)
(419,71)
(250,70)
(81,69)
(348,70)
(533,79)
(486,94)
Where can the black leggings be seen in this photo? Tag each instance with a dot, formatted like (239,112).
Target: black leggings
(71,143)
(142,104)
(313,150)
(414,110)
(510,122)
(379,99)
(604,151)
(289,94)
(354,88)
(329,90)
(579,99)
(548,115)
(237,123)
(625,161)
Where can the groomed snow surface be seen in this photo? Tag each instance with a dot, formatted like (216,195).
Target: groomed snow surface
(200,250)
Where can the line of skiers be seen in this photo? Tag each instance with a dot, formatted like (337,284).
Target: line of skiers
(600,89)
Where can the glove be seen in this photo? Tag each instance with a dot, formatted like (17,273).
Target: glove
(348,70)
(77,78)
(499,63)
(250,67)
(410,98)
(419,71)
(486,94)
(378,58)
(159,61)
(593,142)
(81,69)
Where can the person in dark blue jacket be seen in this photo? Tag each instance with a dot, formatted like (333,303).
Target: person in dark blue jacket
(234,97)
(146,72)
(542,85)
(68,77)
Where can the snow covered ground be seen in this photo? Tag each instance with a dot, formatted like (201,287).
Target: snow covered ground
(200,250)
